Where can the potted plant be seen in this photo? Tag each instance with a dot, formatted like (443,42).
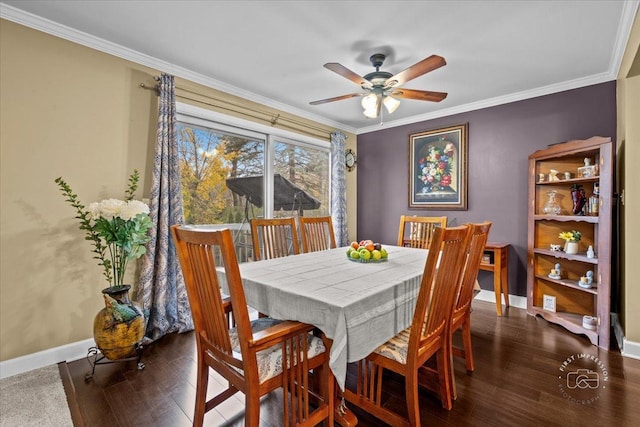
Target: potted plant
(571,239)
(118,231)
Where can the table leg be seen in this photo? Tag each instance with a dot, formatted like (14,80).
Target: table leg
(497,275)
(504,277)
(501,278)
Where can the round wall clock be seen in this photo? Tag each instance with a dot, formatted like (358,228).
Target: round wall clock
(350,159)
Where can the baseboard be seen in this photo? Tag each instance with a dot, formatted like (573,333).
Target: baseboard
(29,362)
(631,349)
(627,348)
(514,300)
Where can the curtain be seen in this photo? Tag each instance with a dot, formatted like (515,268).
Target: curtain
(339,188)
(161,289)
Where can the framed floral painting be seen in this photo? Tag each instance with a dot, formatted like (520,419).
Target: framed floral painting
(438,169)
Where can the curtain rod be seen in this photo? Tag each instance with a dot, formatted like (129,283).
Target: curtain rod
(273,120)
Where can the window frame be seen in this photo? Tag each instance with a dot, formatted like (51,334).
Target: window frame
(191,114)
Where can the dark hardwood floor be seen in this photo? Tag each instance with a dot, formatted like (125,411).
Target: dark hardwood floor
(519,380)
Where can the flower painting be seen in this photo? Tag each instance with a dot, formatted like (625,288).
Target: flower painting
(437,169)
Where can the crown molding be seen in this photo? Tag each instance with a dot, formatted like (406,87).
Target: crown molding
(53,28)
(499,100)
(629,10)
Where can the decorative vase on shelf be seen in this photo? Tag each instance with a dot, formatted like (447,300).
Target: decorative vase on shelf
(579,199)
(551,207)
(119,327)
(571,248)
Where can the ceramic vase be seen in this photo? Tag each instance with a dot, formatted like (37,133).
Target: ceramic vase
(117,339)
(571,248)
(579,199)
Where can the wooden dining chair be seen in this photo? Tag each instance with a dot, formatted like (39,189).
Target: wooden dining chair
(274,238)
(317,233)
(417,231)
(461,316)
(255,357)
(428,335)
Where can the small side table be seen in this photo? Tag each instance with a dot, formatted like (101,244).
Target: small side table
(498,262)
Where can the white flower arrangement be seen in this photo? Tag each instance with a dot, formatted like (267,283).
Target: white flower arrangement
(119,229)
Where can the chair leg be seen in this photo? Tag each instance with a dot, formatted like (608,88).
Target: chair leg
(252,409)
(201,394)
(445,374)
(466,339)
(411,392)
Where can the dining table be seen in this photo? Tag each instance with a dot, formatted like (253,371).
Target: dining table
(358,305)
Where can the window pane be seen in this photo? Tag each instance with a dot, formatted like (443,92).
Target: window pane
(305,186)
(209,160)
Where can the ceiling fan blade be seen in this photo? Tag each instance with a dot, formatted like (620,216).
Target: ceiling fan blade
(336,98)
(428,64)
(422,95)
(347,73)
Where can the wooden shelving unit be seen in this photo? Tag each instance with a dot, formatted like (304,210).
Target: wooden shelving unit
(572,301)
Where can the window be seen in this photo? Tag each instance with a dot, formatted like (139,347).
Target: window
(209,159)
(223,165)
(307,169)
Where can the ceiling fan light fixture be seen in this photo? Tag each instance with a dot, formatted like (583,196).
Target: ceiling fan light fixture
(391,104)
(370,101)
(371,113)
(380,85)
(370,104)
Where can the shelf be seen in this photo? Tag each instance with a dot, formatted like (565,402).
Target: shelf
(572,301)
(570,321)
(570,181)
(567,218)
(573,284)
(582,257)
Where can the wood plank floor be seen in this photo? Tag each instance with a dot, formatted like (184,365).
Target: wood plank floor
(518,381)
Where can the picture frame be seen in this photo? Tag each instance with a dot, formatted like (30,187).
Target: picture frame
(438,168)
(548,302)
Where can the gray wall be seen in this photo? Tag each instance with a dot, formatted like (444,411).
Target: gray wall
(500,141)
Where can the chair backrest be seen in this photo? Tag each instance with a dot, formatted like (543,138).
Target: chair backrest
(197,250)
(439,285)
(417,231)
(274,238)
(317,233)
(479,237)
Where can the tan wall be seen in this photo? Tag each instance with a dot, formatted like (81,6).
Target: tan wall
(70,111)
(629,143)
(631,295)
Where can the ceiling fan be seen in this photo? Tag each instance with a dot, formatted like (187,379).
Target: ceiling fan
(382,87)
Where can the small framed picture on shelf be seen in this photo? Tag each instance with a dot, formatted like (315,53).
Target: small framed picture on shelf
(548,302)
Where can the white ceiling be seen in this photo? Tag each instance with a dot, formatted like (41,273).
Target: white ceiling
(273,51)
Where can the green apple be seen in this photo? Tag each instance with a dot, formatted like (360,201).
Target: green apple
(376,254)
(383,253)
(355,254)
(349,250)
(365,254)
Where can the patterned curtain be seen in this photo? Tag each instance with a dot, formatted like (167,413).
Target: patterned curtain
(339,188)
(161,289)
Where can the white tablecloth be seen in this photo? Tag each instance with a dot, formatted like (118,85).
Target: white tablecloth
(357,305)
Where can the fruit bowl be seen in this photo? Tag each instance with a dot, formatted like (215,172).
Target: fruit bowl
(366,251)
(369,260)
